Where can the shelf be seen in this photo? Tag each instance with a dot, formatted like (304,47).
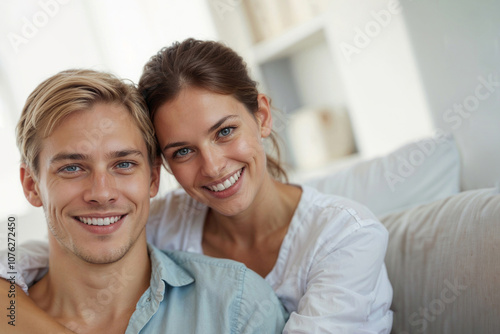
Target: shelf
(292,40)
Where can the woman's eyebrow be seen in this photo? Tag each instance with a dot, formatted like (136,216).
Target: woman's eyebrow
(212,128)
(175,144)
(220,122)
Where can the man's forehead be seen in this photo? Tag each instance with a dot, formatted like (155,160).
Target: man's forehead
(105,129)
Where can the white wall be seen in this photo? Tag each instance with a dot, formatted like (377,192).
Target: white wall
(385,94)
(457,47)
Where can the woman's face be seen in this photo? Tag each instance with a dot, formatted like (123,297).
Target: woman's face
(214,147)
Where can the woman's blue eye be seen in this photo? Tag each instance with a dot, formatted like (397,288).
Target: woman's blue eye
(182,152)
(225,132)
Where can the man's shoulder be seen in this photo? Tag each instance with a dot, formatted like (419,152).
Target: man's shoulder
(208,273)
(256,306)
(212,296)
(201,264)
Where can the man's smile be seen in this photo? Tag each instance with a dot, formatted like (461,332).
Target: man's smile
(107,220)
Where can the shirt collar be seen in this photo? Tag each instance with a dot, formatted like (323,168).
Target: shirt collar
(163,268)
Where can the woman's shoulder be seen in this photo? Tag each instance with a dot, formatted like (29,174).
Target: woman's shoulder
(326,232)
(320,203)
(332,218)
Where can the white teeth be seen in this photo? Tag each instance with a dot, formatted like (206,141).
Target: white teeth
(226,184)
(99,221)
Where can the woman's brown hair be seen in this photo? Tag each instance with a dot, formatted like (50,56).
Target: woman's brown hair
(203,64)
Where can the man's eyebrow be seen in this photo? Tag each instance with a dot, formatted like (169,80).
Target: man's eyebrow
(123,154)
(79,156)
(68,156)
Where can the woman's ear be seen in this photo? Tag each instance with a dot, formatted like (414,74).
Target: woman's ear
(264,116)
(30,186)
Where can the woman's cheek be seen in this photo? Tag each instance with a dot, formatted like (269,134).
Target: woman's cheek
(248,148)
(180,174)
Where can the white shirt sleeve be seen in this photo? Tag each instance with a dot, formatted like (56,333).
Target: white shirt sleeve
(32,261)
(342,286)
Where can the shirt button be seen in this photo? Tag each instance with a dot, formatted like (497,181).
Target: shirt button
(149,299)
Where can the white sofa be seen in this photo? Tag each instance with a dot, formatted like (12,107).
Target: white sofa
(443,256)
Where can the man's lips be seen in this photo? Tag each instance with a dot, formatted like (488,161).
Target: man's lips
(99,220)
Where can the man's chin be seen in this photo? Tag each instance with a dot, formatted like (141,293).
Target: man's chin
(106,257)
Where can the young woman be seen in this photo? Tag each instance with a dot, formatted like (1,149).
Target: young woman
(323,255)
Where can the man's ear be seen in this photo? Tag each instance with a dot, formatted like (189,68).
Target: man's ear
(264,116)
(155,178)
(30,186)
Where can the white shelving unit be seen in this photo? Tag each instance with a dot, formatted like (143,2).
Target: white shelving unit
(297,70)
(291,41)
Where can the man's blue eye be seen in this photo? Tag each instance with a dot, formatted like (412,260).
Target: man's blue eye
(71,169)
(124,165)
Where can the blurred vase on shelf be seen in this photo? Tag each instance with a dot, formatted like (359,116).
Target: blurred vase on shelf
(318,136)
(270,18)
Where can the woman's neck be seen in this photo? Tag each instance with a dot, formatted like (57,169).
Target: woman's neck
(271,210)
(254,236)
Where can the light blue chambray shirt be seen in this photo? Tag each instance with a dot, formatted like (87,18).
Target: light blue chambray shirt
(192,293)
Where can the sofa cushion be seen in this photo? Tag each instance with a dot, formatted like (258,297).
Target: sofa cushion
(443,260)
(419,172)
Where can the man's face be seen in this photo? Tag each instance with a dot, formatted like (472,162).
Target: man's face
(94,183)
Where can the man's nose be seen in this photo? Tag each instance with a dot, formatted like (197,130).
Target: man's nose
(102,189)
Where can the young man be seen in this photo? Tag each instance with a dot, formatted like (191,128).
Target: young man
(89,158)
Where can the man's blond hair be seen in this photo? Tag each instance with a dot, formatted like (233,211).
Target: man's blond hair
(75,90)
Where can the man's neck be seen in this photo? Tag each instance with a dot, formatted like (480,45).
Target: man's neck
(93,298)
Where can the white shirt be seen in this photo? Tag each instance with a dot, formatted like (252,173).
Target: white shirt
(330,273)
